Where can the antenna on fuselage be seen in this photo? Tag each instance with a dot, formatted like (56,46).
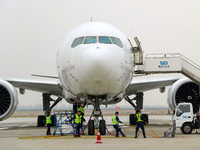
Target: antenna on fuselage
(90,19)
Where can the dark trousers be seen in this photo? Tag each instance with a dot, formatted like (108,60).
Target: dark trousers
(77,129)
(140,125)
(48,129)
(82,127)
(118,129)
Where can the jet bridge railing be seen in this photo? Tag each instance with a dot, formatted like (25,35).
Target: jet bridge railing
(169,63)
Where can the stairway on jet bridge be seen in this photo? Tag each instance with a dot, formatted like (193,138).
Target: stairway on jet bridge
(169,63)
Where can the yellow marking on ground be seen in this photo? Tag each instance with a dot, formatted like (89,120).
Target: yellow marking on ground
(69,137)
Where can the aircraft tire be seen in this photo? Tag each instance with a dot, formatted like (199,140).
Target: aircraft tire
(41,121)
(132,120)
(102,127)
(146,117)
(52,119)
(91,127)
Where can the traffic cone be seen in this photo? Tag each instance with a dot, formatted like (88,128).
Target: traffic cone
(98,137)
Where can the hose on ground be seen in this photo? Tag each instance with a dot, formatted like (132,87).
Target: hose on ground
(140,131)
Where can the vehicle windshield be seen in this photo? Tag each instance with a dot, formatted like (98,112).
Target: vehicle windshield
(182,109)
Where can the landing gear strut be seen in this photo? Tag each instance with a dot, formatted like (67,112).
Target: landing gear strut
(138,106)
(47,108)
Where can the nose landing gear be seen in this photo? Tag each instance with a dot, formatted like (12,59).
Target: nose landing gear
(96,123)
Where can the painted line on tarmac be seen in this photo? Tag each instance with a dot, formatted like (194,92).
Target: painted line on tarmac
(69,137)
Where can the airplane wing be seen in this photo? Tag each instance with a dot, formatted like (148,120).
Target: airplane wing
(150,82)
(52,87)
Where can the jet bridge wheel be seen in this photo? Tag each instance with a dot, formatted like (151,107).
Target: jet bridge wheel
(41,121)
(186,128)
(102,127)
(91,127)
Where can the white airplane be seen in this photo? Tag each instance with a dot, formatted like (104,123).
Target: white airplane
(96,64)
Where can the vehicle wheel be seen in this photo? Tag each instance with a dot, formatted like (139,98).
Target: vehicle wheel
(41,121)
(132,120)
(146,117)
(91,127)
(102,127)
(186,128)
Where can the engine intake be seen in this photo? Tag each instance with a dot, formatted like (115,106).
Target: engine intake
(8,100)
(184,90)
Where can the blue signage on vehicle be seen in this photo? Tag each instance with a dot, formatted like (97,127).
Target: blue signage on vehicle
(184,116)
(163,63)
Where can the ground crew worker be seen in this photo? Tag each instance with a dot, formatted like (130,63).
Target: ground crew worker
(115,123)
(140,124)
(78,118)
(81,108)
(75,106)
(48,122)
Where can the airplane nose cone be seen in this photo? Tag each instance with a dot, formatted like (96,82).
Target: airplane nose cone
(97,60)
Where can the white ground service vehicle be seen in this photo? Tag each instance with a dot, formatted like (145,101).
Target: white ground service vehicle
(185,119)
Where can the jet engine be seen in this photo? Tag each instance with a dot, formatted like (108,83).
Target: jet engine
(184,90)
(8,99)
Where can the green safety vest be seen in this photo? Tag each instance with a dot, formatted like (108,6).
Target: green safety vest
(139,117)
(81,108)
(114,120)
(78,118)
(48,120)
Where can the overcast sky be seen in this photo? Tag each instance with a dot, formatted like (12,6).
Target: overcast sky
(31,32)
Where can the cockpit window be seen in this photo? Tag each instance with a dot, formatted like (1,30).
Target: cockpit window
(119,42)
(104,39)
(80,41)
(116,41)
(90,39)
(97,39)
(74,42)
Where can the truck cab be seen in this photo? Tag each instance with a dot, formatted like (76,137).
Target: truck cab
(185,119)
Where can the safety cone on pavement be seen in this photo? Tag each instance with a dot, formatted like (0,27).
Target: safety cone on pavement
(98,137)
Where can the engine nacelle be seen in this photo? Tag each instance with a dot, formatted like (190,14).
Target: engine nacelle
(184,90)
(8,99)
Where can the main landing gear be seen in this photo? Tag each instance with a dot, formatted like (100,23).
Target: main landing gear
(47,108)
(139,106)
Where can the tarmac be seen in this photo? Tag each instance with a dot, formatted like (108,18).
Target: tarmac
(22,134)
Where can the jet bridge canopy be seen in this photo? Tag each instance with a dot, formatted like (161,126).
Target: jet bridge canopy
(169,63)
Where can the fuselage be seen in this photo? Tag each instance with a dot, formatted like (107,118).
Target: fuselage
(95,59)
